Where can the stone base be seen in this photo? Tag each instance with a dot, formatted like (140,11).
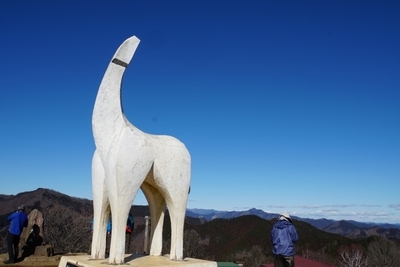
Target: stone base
(45,250)
(134,261)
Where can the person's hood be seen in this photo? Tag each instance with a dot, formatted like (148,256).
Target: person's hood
(282,224)
(284,216)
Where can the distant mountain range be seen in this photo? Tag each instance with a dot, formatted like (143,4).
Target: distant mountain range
(223,233)
(41,198)
(348,228)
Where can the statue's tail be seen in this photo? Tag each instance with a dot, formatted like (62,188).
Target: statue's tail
(108,118)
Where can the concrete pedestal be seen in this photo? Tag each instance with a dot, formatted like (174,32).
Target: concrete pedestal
(134,261)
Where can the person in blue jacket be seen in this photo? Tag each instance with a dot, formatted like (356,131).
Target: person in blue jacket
(283,237)
(18,220)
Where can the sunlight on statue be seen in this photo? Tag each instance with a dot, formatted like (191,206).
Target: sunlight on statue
(127,159)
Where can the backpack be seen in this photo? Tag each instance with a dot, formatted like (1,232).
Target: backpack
(130,224)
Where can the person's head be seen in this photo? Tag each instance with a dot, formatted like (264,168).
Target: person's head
(284,216)
(21,207)
(36,229)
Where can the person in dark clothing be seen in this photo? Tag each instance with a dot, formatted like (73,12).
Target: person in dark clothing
(283,237)
(34,240)
(130,225)
(18,220)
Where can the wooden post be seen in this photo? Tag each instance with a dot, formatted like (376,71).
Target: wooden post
(147,235)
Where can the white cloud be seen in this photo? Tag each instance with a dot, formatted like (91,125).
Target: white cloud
(276,206)
(323,206)
(371,205)
(357,212)
(395,206)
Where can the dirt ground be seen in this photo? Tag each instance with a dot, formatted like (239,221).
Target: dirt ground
(36,261)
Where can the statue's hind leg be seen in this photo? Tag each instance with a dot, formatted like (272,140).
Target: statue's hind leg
(176,202)
(157,211)
(177,212)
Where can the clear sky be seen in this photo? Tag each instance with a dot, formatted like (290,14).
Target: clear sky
(284,105)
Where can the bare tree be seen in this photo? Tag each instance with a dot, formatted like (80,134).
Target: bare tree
(67,231)
(257,257)
(352,256)
(238,256)
(383,253)
(192,246)
(254,257)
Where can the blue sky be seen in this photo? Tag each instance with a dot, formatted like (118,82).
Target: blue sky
(284,105)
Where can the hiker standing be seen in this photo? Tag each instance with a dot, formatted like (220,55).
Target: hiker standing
(108,236)
(130,225)
(283,236)
(18,220)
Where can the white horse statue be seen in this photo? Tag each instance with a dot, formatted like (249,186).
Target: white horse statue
(127,159)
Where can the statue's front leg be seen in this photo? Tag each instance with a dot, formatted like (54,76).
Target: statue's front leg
(101,209)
